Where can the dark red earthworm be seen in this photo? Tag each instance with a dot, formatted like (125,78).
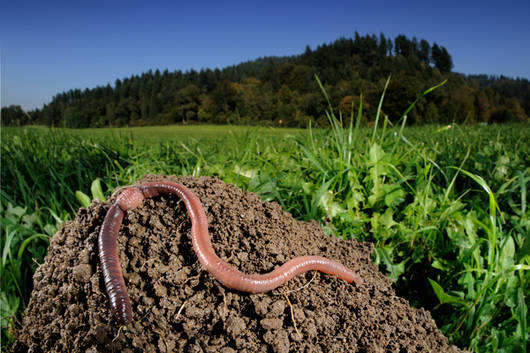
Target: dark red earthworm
(229,276)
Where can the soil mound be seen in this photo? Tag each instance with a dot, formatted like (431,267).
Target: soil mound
(179,307)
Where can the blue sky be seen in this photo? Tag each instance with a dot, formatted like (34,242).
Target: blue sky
(52,46)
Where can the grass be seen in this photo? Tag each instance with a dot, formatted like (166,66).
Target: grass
(445,206)
(167,131)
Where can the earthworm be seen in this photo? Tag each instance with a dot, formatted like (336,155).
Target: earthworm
(229,276)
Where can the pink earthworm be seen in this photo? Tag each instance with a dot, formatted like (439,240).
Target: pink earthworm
(229,276)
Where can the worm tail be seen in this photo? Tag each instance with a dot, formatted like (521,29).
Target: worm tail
(112,274)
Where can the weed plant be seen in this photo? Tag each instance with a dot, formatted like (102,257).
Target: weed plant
(445,206)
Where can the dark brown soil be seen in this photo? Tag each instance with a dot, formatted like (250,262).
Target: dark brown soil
(179,307)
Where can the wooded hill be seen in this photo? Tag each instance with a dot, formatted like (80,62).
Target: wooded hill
(282,91)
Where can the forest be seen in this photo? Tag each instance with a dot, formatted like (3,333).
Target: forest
(283,91)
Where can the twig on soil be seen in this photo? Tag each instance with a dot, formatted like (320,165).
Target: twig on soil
(292,314)
(224,303)
(191,278)
(145,315)
(180,310)
(230,258)
(118,334)
(297,289)
(291,306)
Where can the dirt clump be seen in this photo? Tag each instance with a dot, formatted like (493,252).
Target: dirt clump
(179,307)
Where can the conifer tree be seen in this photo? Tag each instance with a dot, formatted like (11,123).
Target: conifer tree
(424,52)
(441,58)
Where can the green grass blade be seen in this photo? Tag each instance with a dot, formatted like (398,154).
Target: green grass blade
(29,240)
(372,140)
(427,91)
(523,191)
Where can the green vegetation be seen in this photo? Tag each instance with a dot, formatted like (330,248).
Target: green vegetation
(167,131)
(446,206)
(282,91)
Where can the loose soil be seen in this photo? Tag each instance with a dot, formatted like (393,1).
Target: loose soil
(179,307)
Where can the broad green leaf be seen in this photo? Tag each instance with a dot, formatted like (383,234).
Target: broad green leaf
(384,255)
(325,199)
(354,200)
(510,296)
(443,297)
(436,264)
(521,314)
(386,219)
(8,308)
(248,173)
(307,187)
(83,198)
(28,220)
(50,229)
(17,210)
(524,250)
(372,199)
(335,209)
(332,208)
(394,195)
(376,154)
(97,192)
(507,254)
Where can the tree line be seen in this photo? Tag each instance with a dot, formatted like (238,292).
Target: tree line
(282,91)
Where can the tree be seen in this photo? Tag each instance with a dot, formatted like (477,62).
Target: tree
(154,105)
(225,99)
(284,88)
(301,78)
(403,46)
(187,103)
(483,106)
(206,110)
(424,52)
(385,46)
(431,113)
(251,99)
(307,51)
(441,58)
(14,116)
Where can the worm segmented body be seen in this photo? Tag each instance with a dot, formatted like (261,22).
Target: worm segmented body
(229,276)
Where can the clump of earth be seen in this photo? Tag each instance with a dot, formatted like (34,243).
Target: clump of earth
(179,307)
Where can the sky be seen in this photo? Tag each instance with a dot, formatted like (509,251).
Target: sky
(48,47)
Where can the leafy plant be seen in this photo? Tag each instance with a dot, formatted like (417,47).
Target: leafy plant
(22,249)
(429,230)
(95,189)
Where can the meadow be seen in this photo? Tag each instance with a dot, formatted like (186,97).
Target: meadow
(445,206)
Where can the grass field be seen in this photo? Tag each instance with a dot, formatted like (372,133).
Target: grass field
(445,206)
(168,131)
